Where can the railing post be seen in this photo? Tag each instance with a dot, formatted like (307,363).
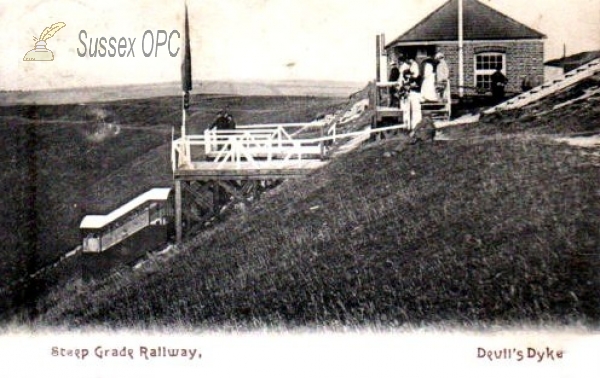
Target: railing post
(207,142)
(173,157)
(269,148)
(188,150)
(322,143)
(448,99)
(235,146)
(279,135)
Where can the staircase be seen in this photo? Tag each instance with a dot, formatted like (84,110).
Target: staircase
(548,88)
(438,111)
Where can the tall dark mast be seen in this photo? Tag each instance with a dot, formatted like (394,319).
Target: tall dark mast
(186,86)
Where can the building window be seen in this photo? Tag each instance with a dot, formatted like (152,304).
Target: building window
(485,65)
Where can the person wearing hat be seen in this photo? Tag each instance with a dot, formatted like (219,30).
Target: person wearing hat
(428,82)
(393,77)
(442,76)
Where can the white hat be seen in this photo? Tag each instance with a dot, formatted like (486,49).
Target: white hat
(439,55)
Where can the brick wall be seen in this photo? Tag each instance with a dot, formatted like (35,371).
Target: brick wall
(522,58)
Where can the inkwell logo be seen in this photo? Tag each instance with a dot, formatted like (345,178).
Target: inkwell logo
(41,52)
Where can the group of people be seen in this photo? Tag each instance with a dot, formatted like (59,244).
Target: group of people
(417,83)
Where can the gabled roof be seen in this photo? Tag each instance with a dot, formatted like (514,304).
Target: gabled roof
(480,22)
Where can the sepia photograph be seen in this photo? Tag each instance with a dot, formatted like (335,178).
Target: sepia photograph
(300,188)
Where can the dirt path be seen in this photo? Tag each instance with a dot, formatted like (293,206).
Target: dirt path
(586,142)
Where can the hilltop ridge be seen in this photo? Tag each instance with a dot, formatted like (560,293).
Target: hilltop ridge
(210,87)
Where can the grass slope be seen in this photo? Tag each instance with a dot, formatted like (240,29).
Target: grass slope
(497,229)
(63,163)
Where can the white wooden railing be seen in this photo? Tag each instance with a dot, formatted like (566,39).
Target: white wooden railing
(251,145)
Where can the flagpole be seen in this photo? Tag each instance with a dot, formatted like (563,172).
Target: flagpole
(461,77)
(186,86)
(184,158)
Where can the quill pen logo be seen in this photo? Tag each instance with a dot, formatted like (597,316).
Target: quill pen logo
(41,52)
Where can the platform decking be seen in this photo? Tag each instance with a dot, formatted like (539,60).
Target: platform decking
(256,170)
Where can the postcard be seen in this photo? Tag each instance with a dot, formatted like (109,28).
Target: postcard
(264,188)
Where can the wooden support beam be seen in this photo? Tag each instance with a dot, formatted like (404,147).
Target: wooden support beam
(247,187)
(256,191)
(199,224)
(197,194)
(216,197)
(190,213)
(178,218)
(237,194)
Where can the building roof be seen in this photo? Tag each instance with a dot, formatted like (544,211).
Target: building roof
(480,22)
(573,61)
(100,221)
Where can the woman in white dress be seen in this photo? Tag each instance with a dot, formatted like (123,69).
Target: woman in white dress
(428,91)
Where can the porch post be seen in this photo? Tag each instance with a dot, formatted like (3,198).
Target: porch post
(378,58)
(178,218)
(461,77)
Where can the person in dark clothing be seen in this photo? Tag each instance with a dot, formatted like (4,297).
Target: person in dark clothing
(230,121)
(394,73)
(498,85)
(393,90)
(412,87)
(224,121)
(527,83)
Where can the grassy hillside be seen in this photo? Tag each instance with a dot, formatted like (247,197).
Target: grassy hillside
(474,230)
(499,223)
(65,161)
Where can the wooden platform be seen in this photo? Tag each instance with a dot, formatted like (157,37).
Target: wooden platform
(388,111)
(225,168)
(438,110)
(257,170)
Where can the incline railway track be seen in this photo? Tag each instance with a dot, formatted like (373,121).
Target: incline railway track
(44,269)
(78,251)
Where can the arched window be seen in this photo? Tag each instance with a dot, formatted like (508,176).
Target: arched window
(486,64)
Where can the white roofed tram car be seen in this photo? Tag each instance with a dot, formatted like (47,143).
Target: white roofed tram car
(142,225)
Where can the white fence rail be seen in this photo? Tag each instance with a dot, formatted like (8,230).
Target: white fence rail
(252,143)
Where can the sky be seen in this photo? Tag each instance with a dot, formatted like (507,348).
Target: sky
(245,39)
